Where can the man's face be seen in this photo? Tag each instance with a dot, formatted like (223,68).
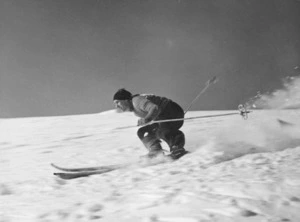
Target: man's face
(122,105)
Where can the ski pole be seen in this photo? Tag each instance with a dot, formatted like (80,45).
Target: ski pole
(242,111)
(207,84)
(244,114)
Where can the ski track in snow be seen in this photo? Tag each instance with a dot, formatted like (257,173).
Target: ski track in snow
(240,170)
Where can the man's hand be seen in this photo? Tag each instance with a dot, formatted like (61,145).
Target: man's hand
(143,121)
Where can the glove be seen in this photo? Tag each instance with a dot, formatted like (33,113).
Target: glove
(143,121)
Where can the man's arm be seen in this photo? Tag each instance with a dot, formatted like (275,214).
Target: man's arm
(146,106)
(153,112)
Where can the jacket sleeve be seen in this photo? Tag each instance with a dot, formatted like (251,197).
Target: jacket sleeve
(150,109)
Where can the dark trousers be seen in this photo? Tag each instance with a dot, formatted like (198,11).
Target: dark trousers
(151,135)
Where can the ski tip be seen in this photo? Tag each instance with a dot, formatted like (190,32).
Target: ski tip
(283,123)
(64,176)
(53,165)
(58,175)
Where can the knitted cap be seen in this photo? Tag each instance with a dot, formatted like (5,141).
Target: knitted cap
(122,94)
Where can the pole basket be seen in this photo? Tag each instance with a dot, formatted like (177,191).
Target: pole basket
(243,111)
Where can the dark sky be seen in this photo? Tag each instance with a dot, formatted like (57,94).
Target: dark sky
(61,57)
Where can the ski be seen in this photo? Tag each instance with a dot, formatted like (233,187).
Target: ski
(74,175)
(88,168)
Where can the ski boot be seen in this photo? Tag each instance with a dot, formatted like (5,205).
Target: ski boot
(177,152)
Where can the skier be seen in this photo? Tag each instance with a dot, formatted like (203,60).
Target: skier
(151,107)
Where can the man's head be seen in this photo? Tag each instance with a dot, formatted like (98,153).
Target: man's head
(122,100)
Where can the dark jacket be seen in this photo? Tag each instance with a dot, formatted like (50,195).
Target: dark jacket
(142,103)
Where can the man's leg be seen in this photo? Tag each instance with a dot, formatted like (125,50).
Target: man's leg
(177,149)
(147,135)
(175,139)
(169,131)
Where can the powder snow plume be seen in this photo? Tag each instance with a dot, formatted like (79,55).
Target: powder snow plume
(286,98)
(258,134)
(273,126)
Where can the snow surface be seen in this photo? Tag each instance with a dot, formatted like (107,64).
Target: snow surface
(239,170)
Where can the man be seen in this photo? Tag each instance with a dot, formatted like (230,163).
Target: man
(148,108)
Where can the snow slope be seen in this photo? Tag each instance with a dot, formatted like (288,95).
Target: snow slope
(240,170)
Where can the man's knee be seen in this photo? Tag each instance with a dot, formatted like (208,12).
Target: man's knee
(141,133)
(146,130)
